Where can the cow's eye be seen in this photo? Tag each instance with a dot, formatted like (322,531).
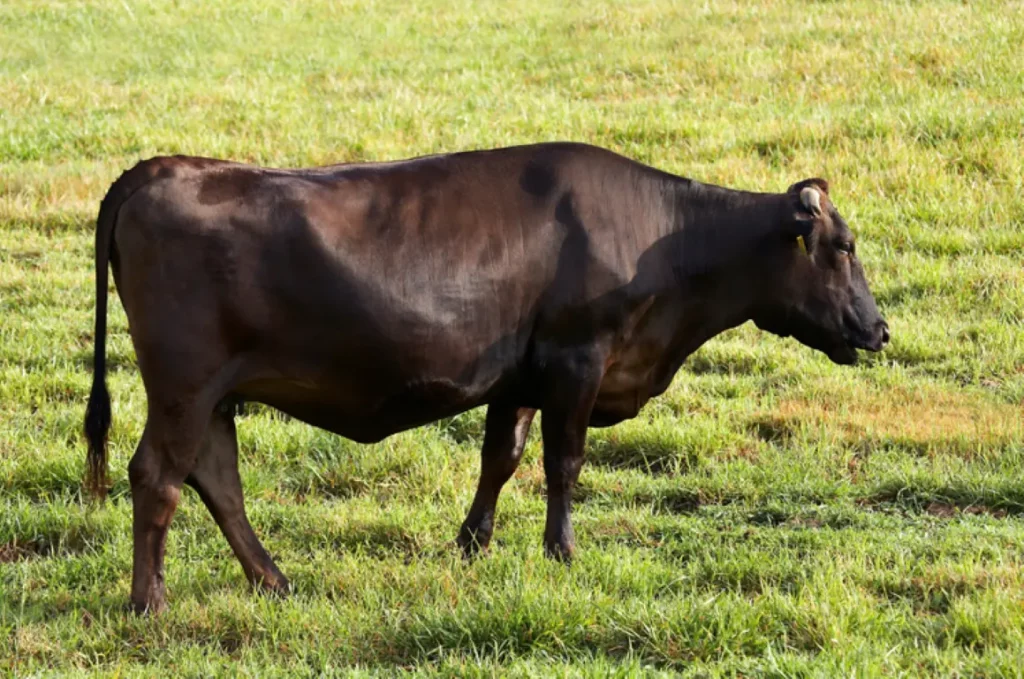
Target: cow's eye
(845,247)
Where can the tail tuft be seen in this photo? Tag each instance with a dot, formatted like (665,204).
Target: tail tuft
(97,425)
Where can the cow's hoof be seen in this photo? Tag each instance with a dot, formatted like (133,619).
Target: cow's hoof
(151,607)
(277,586)
(472,543)
(560,551)
(151,599)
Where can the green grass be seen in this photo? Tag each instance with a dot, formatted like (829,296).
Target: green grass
(771,514)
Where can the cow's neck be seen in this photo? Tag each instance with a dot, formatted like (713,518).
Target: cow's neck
(706,310)
(700,302)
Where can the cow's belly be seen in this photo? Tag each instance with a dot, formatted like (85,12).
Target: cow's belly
(365,418)
(367,396)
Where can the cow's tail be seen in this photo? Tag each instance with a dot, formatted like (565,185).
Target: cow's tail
(97,413)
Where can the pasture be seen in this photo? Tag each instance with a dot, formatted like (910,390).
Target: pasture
(772,514)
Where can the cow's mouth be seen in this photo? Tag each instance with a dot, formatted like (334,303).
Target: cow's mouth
(842,353)
(869,340)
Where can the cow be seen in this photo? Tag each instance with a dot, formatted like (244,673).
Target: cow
(371,298)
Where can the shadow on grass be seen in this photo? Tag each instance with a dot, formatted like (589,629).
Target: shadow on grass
(652,454)
(773,429)
(660,500)
(49,542)
(329,484)
(1006,499)
(378,539)
(933,594)
(704,363)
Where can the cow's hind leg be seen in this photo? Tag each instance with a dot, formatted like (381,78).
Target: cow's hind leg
(216,479)
(504,437)
(156,472)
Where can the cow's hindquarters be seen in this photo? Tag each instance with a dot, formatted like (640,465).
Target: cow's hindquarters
(174,301)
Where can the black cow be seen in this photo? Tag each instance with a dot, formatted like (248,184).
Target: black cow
(367,299)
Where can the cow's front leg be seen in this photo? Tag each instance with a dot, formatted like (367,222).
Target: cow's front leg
(570,392)
(504,437)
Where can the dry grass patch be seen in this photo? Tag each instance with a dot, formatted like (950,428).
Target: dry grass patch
(919,418)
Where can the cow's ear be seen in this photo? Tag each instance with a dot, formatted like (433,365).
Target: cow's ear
(806,197)
(798,224)
(803,208)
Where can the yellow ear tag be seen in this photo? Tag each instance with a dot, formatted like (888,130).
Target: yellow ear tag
(803,246)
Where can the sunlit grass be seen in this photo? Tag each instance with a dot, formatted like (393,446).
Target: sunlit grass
(771,514)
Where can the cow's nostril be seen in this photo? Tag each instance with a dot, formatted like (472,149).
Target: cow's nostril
(885,333)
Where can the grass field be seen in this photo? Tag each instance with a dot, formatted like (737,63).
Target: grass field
(771,514)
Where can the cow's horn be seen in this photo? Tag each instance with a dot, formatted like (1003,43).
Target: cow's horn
(811,199)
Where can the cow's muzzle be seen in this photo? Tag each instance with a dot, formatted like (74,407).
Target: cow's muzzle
(874,339)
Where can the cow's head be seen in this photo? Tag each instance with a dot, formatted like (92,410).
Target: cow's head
(817,291)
